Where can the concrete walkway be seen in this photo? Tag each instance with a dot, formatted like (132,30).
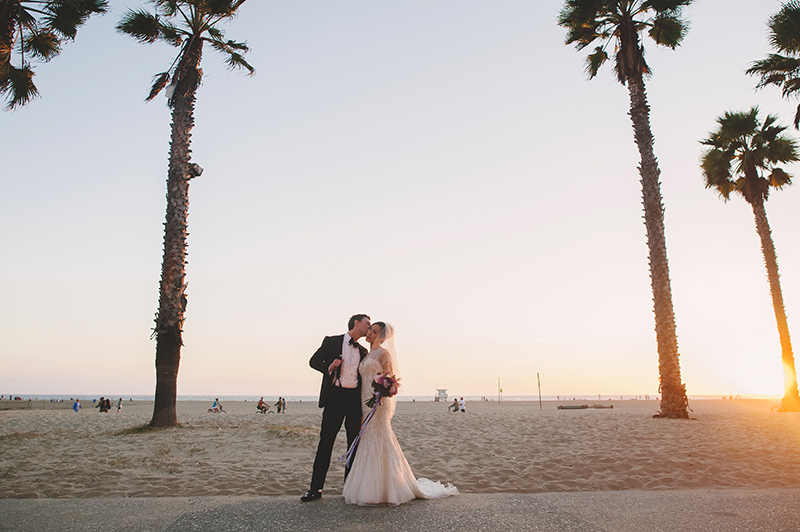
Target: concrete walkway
(732,510)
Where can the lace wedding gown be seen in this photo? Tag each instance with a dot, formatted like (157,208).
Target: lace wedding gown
(380,473)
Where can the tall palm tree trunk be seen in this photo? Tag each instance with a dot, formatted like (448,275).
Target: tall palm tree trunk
(172,297)
(791,399)
(674,403)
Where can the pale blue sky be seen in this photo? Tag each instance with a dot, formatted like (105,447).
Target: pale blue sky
(444,165)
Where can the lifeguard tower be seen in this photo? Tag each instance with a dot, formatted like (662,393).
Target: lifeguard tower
(441,394)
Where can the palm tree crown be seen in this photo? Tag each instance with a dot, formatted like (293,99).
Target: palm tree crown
(36,30)
(741,152)
(198,20)
(782,69)
(622,21)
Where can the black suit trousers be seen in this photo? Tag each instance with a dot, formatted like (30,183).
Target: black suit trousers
(343,406)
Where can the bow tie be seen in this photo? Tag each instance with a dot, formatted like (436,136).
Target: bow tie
(354,343)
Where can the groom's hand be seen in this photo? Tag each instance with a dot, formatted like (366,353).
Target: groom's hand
(335,364)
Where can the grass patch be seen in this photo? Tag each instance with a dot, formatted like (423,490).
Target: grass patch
(305,434)
(119,462)
(163,452)
(20,436)
(140,429)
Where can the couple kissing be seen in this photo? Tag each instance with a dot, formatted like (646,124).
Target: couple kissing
(378,472)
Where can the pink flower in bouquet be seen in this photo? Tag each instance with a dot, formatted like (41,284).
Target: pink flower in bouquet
(385,385)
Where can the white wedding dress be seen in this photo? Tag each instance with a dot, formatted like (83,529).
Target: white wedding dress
(380,473)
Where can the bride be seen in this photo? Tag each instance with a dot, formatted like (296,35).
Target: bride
(380,473)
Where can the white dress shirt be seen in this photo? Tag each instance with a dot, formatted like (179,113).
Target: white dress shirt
(348,378)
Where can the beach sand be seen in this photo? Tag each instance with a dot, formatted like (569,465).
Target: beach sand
(509,447)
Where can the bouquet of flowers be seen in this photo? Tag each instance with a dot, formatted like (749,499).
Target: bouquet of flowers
(385,385)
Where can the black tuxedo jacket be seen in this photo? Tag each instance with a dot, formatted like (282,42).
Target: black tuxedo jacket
(330,350)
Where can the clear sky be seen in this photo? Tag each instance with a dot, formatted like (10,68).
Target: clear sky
(444,165)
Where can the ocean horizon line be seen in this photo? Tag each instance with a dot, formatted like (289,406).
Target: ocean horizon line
(403,398)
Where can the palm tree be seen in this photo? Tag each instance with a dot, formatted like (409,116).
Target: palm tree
(782,70)
(741,152)
(36,30)
(623,22)
(186,25)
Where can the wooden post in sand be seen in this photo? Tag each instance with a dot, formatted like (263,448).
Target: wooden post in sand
(539,382)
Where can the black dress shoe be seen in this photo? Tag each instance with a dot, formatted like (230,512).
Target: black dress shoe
(311,496)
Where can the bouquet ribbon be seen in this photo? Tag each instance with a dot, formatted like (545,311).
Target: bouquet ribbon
(352,450)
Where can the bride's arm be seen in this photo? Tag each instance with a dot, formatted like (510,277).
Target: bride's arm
(386,362)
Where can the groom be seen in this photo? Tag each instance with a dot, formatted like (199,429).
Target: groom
(340,397)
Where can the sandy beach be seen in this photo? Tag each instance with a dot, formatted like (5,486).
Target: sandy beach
(509,447)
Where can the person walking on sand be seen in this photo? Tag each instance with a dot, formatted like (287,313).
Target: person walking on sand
(278,405)
(462,405)
(76,405)
(283,404)
(340,396)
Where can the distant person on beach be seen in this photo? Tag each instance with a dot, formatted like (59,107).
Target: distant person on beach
(283,404)
(76,405)
(340,396)
(216,406)
(278,405)
(262,406)
(454,406)
(101,404)
(119,405)
(462,404)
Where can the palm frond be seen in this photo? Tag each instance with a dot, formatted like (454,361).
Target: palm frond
(668,7)
(216,34)
(223,8)
(771,119)
(43,45)
(796,121)
(20,88)
(782,150)
(65,16)
(716,166)
(594,61)
(141,25)
(168,7)
(159,82)
(580,18)
(785,28)
(791,86)
(733,125)
(779,179)
(171,33)
(775,70)
(27,17)
(237,61)
(229,46)
(668,30)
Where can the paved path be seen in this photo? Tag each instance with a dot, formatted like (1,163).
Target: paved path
(732,510)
